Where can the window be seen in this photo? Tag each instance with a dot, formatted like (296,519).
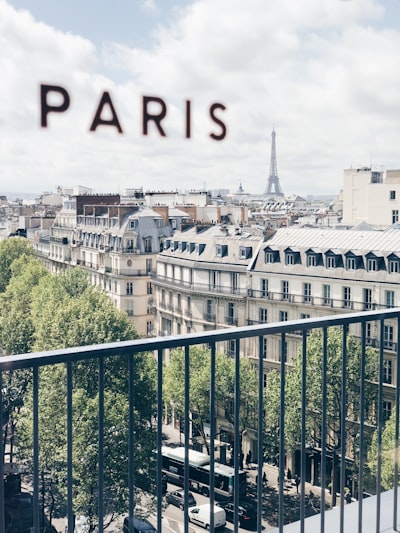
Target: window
(326,295)
(282,349)
(149,288)
(285,290)
(330,261)
(264,288)
(387,410)
(264,347)
(231,314)
(388,337)
(389,298)
(179,303)
(162,297)
(231,348)
(395,216)
(289,259)
(283,316)
(372,264)
(268,257)
(263,315)
(129,288)
(214,280)
(189,304)
(129,308)
(367,299)
(245,252)
(147,245)
(307,293)
(350,263)
(394,266)
(210,317)
(149,328)
(221,250)
(369,339)
(271,256)
(392,195)
(311,260)
(387,371)
(235,282)
(149,265)
(347,297)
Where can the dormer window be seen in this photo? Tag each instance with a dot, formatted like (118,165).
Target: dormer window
(292,257)
(271,256)
(245,252)
(372,264)
(221,250)
(350,263)
(289,259)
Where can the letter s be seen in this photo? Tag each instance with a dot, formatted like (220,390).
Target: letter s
(215,119)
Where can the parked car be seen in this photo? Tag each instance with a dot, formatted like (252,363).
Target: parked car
(139,526)
(177,497)
(201,515)
(247,514)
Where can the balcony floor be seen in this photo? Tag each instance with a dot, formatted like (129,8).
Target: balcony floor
(332,518)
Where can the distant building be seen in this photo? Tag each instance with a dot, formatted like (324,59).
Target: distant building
(371,196)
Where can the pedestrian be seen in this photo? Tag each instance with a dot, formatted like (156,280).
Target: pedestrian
(248,458)
(289,475)
(264,478)
(297,482)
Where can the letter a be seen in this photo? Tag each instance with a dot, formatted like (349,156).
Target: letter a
(98,121)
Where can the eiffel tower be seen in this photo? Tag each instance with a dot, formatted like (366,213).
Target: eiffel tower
(273,187)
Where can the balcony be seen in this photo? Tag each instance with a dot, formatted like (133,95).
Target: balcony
(378,513)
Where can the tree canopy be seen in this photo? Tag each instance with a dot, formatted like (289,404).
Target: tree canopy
(42,311)
(388,447)
(11,249)
(200,372)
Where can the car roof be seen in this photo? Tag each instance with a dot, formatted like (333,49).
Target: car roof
(141,524)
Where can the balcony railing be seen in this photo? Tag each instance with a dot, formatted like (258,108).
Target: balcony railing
(384,505)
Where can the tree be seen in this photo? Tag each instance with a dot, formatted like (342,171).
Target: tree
(11,249)
(16,333)
(200,371)
(388,447)
(293,387)
(67,311)
(16,328)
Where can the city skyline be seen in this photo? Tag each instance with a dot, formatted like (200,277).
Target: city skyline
(324,76)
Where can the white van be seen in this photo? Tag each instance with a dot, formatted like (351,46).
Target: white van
(201,514)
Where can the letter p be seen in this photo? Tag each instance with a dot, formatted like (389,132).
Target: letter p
(46,107)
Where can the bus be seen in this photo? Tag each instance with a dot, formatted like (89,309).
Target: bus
(173,462)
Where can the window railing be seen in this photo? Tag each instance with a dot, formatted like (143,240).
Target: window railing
(101,355)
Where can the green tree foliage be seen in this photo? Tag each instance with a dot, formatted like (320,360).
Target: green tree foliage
(11,249)
(388,446)
(65,311)
(293,387)
(16,328)
(200,371)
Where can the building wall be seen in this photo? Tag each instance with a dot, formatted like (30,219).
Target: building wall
(370,198)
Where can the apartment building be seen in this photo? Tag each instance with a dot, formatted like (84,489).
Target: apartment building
(116,244)
(372,196)
(211,277)
(202,278)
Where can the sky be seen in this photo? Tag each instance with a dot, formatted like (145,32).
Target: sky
(323,74)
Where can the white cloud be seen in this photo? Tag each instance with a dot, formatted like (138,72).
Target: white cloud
(326,74)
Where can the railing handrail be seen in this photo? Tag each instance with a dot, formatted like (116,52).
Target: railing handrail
(13,362)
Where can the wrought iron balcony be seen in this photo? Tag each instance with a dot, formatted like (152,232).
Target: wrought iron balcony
(371,514)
